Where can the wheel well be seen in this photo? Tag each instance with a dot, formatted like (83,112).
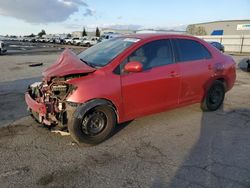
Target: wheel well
(87,106)
(223,81)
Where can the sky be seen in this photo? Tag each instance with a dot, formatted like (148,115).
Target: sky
(23,17)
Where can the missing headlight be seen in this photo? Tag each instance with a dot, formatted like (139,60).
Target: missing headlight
(59,90)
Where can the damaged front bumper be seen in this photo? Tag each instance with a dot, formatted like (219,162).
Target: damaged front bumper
(36,107)
(47,103)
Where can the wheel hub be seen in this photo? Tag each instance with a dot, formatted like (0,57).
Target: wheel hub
(216,95)
(94,123)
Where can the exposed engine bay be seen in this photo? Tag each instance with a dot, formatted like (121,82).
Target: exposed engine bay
(53,95)
(47,99)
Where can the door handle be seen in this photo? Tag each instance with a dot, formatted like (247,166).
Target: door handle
(173,74)
(209,67)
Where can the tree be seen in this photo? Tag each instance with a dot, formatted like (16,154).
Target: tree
(41,33)
(69,35)
(84,32)
(200,31)
(97,32)
(193,30)
(31,35)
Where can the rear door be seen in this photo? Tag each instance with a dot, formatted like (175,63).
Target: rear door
(157,86)
(195,63)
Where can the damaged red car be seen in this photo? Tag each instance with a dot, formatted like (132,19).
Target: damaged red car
(129,77)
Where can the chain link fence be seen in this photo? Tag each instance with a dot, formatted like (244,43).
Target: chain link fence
(232,43)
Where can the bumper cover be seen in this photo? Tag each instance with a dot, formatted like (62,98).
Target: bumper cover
(34,105)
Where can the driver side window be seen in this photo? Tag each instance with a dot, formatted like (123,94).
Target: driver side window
(152,54)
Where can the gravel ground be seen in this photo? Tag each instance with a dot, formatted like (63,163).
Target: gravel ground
(184,147)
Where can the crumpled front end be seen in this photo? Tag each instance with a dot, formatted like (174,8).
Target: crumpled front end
(47,101)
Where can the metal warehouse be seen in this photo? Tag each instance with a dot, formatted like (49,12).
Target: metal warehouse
(227,27)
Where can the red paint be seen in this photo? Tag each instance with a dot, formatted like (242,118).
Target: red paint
(35,106)
(67,64)
(145,92)
(133,67)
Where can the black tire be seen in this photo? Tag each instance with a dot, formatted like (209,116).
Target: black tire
(214,97)
(248,65)
(88,45)
(82,131)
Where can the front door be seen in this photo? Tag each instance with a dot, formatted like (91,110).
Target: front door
(157,86)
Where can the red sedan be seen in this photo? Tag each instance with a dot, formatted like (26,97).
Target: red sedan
(129,77)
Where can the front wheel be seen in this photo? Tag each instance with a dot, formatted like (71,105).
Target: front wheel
(214,97)
(95,127)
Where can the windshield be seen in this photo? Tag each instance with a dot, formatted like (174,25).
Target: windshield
(102,53)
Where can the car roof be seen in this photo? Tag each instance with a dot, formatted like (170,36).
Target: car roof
(156,35)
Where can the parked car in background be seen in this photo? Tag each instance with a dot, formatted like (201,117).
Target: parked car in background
(42,39)
(108,36)
(126,78)
(79,41)
(3,48)
(71,40)
(90,42)
(31,39)
(218,45)
(56,40)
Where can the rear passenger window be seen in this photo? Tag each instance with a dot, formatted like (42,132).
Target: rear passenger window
(190,50)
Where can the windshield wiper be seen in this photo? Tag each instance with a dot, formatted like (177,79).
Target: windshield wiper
(87,63)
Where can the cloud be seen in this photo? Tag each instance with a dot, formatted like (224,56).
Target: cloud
(125,26)
(180,27)
(40,11)
(92,27)
(89,12)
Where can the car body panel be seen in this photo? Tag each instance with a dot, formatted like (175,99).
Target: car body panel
(151,90)
(98,85)
(34,105)
(67,64)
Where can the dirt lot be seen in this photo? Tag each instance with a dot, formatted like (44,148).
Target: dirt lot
(180,148)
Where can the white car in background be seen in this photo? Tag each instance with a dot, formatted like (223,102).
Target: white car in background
(71,40)
(41,39)
(108,36)
(2,48)
(79,41)
(90,42)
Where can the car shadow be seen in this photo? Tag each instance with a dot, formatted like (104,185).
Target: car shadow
(220,156)
(244,64)
(120,127)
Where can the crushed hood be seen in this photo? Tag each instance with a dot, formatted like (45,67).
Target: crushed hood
(67,63)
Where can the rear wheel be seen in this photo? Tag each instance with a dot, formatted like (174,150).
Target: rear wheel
(214,97)
(95,127)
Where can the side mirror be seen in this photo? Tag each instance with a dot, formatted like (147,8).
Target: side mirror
(133,66)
